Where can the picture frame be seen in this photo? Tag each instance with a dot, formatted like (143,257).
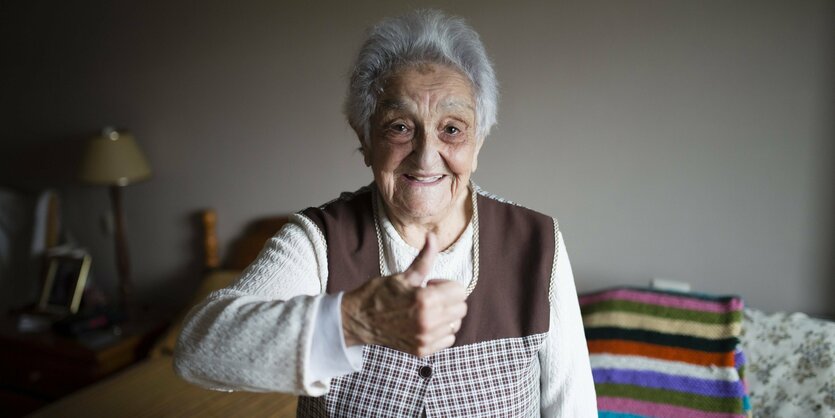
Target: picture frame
(63,284)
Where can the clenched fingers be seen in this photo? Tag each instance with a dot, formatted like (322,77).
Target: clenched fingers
(443,292)
(437,326)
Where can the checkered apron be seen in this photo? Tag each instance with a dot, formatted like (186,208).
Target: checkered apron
(498,378)
(493,368)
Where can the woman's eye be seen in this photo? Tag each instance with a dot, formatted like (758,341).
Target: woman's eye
(451,130)
(398,132)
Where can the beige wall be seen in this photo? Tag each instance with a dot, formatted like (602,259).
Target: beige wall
(677,139)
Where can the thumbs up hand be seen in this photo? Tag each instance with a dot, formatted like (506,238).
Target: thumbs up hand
(406,311)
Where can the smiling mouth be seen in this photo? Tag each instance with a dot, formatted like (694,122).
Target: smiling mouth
(424,180)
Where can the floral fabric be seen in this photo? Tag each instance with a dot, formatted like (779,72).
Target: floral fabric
(791,364)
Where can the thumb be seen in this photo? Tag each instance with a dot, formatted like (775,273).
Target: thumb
(420,268)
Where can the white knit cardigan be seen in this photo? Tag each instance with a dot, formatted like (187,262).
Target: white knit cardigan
(256,334)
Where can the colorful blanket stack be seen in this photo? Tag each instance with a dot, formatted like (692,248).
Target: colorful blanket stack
(665,354)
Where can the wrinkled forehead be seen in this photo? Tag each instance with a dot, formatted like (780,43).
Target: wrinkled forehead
(441,87)
(451,103)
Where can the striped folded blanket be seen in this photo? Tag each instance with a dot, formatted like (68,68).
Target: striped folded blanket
(665,354)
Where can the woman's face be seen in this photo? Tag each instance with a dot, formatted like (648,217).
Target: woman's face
(423,143)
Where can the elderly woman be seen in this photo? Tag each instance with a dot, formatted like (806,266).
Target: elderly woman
(420,294)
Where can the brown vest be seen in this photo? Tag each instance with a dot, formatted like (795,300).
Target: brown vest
(492,368)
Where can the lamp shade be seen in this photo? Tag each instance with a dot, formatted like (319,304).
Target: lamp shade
(114,159)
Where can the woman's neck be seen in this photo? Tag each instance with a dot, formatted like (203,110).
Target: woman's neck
(447,228)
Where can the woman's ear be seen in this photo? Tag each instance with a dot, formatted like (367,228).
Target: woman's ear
(478,145)
(365,155)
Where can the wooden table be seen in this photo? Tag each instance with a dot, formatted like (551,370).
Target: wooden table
(150,389)
(38,367)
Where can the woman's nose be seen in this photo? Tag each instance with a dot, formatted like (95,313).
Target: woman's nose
(426,148)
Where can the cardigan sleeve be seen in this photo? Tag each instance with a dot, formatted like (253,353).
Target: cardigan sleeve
(566,385)
(256,334)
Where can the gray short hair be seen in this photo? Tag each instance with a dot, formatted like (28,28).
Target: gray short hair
(422,36)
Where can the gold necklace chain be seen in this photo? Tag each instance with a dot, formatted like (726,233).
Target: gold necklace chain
(380,248)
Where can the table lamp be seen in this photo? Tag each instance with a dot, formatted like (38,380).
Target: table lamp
(113,159)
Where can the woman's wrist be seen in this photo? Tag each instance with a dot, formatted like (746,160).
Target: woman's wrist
(349,310)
